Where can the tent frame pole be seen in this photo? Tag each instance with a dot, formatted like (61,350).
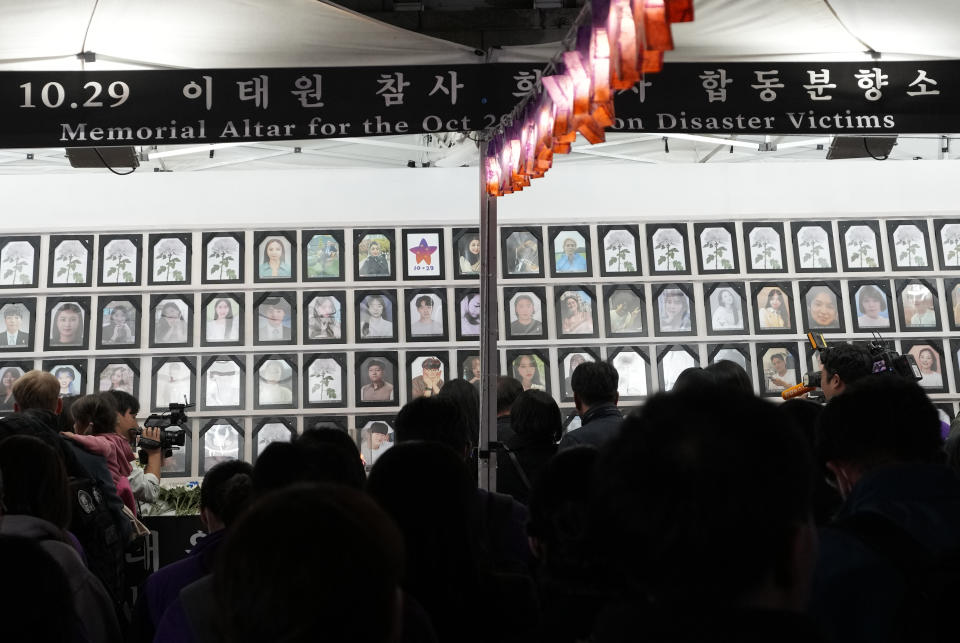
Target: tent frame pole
(489,331)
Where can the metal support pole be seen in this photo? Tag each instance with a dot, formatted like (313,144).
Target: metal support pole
(489,306)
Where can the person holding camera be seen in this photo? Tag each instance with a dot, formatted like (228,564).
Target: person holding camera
(841,366)
(145,482)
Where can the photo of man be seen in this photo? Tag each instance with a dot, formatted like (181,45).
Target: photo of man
(523,254)
(377,387)
(625,311)
(375,439)
(426,316)
(570,252)
(430,380)
(15,318)
(779,370)
(373,254)
(918,307)
(274,323)
(525,318)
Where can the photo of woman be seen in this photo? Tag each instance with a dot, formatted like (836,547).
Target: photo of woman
(69,380)
(955,295)
(822,309)
(872,306)
(170,326)
(8,376)
(222,325)
(929,362)
(275,262)
(575,313)
(918,307)
(67,326)
(117,377)
(469,251)
(773,308)
(275,385)
(373,256)
(119,324)
(625,311)
(323,320)
(570,252)
(375,319)
(674,310)
(523,254)
(726,305)
(529,369)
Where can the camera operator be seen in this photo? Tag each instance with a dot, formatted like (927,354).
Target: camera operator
(145,481)
(841,366)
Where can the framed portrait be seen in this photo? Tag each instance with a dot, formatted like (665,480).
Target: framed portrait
(222,323)
(10,372)
(119,322)
(469,365)
(221,440)
(468,313)
(19,314)
(222,258)
(632,364)
(70,373)
(919,309)
(337,422)
(325,319)
(324,380)
(120,259)
(178,464)
(520,253)
(948,243)
(778,366)
(568,359)
(909,244)
(620,249)
(19,262)
(172,381)
(726,308)
(222,382)
(466,243)
(739,354)
(954,355)
(576,311)
(570,251)
(872,306)
(772,307)
(323,258)
(813,249)
(947,414)
(170,258)
(531,367)
(373,255)
(928,354)
(952,286)
(376,374)
(668,249)
(375,437)
(822,306)
(427,372)
(763,247)
(524,314)
(272,429)
(118,374)
(673,360)
(276,318)
(423,257)
(376,315)
(860,241)
(426,314)
(67,321)
(276,382)
(276,256)
(70,260)
(171,322)
(717,247)
(675,313)
(626,310)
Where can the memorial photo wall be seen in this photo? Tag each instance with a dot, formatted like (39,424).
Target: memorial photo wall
(267,332)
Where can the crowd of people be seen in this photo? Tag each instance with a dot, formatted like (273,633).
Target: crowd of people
(706,514)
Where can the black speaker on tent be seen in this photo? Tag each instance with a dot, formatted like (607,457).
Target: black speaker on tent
(109,157)
(858,147)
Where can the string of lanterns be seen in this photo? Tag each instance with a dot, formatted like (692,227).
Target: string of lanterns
(620,42)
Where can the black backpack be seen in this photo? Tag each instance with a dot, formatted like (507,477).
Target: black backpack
(93,525)
(931,582)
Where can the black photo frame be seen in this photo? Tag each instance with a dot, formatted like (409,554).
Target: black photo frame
(620,251)
(223,258)
(947,232)
(955,358)
(221,440)
(769,318)
(631,385)
(952,292)
(275,313)
(516,309)
(19,334)
(871,306)
(367,391)
(466,249)
(324,258)
(672,360)
(666,257)
(325,380)
(68,324)
(120,260)
(468,365)
(860,246)
(716,248)
(540,378)
(174,378)
(768,370)
(521,252)
(178,463)
(423,254)
(568,358)
(10,372)
(326,421)
(325,317)
(222,318)
(933,371)
(71,373)
(725,308)
(822,307)
(565,262)
(169,326)
(117,374)
(669,319)
(426,321)
(19,261)
(425,377)
(374,264)
(813,246)
(626,310)
(467,309)
(272,428)
(265,242)
(118,322)
(275,381)
(375,435)
(70,261)
(170,260)
(763,246)
(737,353)
(575,308)
(909,244)
(917,312)
(223,382)
(370,328)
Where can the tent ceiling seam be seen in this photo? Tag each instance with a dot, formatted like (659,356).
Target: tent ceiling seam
(870,49)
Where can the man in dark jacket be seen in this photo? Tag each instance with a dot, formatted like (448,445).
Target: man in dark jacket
(508,390)
(595,395)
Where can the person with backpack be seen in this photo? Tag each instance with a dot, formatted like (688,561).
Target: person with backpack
(889,564)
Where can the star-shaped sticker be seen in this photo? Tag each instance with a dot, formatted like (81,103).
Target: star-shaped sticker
(423,252)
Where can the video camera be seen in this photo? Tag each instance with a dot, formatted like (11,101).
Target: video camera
(173,435)
(885,360)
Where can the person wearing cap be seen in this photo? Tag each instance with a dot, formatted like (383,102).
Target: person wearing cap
(429,382)
(375,443)
(12,318)
(379,389)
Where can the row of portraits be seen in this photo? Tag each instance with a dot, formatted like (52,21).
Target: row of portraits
(377,315)
(567,251)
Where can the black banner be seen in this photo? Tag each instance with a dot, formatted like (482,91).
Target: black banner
(75,109)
